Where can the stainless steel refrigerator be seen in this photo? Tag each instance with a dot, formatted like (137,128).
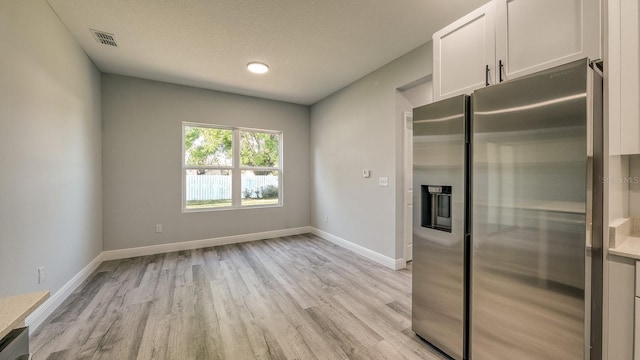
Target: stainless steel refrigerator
(527,282)
(440,169)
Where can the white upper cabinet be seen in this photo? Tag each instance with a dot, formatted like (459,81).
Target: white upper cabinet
(623,67)
(464,54)
(512,38)
(533,35)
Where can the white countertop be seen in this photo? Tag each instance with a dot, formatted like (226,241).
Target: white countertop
(14,309)
(630,247)
(624,238)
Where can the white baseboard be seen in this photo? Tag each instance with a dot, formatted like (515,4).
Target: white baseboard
(400,264)
(36,318)
(199,244)
(394,264)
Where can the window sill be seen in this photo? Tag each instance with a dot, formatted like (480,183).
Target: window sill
(229,208)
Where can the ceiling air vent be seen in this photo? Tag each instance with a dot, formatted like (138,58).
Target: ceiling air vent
(104,38)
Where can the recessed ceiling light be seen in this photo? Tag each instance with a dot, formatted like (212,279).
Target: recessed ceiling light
(257,68)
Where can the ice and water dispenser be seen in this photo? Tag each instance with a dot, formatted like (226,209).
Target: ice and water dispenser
(436,207)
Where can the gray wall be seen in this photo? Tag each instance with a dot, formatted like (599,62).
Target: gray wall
(50,151)
(354,129)
(142,162)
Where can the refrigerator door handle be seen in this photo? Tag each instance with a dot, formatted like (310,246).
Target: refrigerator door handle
(590,159)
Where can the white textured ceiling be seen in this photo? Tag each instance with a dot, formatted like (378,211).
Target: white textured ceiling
(313,47)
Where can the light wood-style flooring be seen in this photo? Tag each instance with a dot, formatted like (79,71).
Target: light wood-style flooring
(297,297)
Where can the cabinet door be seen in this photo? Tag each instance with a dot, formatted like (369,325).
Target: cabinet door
(533,35)
(624,77)
(461,53)
(629,78)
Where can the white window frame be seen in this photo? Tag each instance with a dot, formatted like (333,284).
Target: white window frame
(236,168)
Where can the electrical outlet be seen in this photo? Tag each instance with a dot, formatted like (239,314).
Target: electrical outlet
(383,181)
(326,218)
(40,274)
(158,228)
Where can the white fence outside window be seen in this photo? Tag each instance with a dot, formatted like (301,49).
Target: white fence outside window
(218,187)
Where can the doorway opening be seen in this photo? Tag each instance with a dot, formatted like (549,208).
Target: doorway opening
(412,95)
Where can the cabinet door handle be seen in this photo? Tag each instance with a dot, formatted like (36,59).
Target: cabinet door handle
(500,67)
(486,75)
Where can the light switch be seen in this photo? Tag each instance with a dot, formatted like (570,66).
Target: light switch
(366,174)
(383,181)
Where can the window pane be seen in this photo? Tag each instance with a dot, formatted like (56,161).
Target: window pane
(208,188)
(207,146)
(260,188)
(259,149)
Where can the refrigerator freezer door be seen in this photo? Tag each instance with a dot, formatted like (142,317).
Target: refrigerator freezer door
(529,217)
(439,144)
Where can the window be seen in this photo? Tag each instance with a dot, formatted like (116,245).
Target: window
(226,168)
